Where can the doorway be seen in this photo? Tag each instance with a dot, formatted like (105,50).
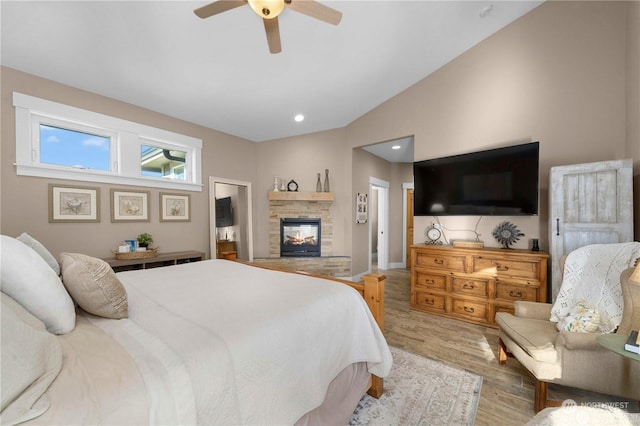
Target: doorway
(236,235)
(379,225)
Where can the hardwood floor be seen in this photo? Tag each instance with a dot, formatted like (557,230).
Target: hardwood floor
(507,391)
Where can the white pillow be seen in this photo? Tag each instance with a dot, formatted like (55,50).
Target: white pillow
(582,318)
(28,279)
(41,250)
(31,360)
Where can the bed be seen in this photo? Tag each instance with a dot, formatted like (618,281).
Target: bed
(211,342)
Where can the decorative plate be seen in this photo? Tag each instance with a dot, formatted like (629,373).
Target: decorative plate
(507,234)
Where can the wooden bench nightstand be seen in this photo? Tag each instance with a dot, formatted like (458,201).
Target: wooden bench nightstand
(162,259)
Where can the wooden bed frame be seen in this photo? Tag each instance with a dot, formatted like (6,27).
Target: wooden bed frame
(371,289)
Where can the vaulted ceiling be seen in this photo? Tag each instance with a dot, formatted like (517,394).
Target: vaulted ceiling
(218,72)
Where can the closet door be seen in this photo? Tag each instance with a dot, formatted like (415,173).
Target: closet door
(589,204)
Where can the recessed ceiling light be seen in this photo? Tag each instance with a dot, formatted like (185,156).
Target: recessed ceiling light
(299,117)
(396,147)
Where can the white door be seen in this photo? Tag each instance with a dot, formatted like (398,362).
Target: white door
(383,222)
(589,204)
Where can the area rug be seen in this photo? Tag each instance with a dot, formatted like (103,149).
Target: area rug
(421,391)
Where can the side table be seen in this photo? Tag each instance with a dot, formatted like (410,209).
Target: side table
(615,342)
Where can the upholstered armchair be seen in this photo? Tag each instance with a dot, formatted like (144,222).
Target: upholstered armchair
(571,358)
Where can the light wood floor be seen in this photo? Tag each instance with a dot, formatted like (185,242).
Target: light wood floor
(507,391)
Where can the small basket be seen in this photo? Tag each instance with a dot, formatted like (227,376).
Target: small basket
(147,254)
(467,244)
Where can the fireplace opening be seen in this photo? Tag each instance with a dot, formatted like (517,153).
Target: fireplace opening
(299,237)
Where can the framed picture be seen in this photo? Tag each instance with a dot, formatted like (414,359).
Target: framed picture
(361,208)
(129,206)
(73,203)
(175,207)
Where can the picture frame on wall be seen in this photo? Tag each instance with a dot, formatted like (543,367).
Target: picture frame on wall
(175,207)
(129,206)
(73,203)
(361,207)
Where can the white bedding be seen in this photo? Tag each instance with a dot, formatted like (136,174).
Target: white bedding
(242,344)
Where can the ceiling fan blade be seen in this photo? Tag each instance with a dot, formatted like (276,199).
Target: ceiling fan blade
(218,7)
(272,28)
(315,10)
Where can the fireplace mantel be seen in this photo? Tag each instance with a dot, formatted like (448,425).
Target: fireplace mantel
(323,197)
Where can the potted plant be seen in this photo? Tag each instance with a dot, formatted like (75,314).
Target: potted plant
(144,240)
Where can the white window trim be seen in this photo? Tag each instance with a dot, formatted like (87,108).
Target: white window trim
(125,150)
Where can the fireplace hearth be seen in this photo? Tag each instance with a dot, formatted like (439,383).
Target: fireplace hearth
(300,237)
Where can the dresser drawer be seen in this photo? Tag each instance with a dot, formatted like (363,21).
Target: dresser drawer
(505,267)
(476,310)
(470,286)
(514,292)
(446,262)
(430,280)
(428,301)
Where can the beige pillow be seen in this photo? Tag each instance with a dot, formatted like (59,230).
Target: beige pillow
(94,286)
(31,360)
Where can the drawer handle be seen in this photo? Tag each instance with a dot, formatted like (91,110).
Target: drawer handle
(438,261)
(501,268)
(468,286)
(469,310)
(515,293)
(429,281)
(430,301)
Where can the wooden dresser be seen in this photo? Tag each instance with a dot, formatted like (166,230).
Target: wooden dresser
(473,284)
(224,246)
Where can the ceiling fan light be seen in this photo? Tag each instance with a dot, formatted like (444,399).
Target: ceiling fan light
(267,9)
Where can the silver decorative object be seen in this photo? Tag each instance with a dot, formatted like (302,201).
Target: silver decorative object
(326,180)
(507,234)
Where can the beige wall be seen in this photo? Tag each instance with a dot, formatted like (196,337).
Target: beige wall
(301,158)
(633,102)
(24,199)
(565,74)
(557,75)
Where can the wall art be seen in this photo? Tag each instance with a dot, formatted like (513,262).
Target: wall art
(129,206)
(73,204)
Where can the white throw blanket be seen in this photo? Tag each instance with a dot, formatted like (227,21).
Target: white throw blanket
(592,274)
(258,346)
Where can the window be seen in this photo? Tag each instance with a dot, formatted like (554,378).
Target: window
(58,141)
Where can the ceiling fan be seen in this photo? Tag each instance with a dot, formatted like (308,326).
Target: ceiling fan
(269,10)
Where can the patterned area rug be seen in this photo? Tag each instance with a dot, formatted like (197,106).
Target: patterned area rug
(421,391)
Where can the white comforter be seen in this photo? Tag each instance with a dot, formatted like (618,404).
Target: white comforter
(222,342)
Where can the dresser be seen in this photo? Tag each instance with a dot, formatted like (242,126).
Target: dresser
(474,284)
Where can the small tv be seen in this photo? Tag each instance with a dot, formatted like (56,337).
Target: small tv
(224,212)
(495,182)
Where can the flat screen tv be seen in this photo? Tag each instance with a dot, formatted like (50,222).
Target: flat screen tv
(224,212)
(495,182)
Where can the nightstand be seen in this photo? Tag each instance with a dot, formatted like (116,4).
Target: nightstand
(224,246)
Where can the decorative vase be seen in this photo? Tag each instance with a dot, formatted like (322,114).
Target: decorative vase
(318,184)
(283,185)
(326,180)
(275,184)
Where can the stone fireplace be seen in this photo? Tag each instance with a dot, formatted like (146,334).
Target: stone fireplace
(315,206)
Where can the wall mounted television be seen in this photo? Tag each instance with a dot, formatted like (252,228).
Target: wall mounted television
(224,212)
(495,182)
